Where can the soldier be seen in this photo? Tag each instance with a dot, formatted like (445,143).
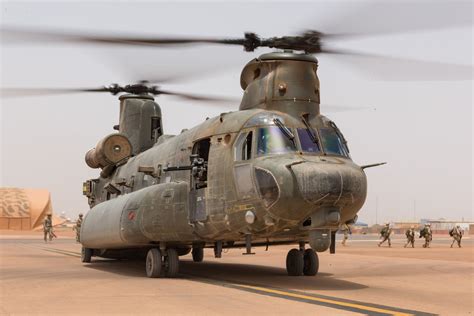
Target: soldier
(456,233)
(77,228)
(410,233)
(385,234)
(427,234)
(346,230)
(48,228)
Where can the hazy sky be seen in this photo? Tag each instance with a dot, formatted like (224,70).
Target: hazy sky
(423,129)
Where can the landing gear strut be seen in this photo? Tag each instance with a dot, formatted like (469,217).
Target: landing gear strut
(198,254)
(299,262)
(156,262)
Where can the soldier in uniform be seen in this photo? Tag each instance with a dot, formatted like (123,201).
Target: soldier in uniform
(427,234)
(385,234)
(410,233)
(48,228)
(456,233)
(77,228)
(346,230)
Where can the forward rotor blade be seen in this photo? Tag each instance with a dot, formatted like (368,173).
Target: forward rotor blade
(389,17)
(10,35)
(401,69)
(31,92)
(331,108)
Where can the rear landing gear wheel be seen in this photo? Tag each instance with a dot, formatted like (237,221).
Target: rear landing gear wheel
(86,255)
(198,254)
(171,263)
(153,263)
(295,262)
(311,262)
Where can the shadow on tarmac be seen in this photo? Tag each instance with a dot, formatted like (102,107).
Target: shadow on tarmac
(232,273)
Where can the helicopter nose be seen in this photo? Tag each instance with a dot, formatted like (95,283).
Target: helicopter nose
(330,183)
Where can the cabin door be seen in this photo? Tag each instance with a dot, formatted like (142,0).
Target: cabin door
(197,195)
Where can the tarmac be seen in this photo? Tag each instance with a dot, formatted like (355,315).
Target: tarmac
(360,279)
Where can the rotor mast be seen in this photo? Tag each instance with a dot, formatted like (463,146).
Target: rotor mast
(281,81)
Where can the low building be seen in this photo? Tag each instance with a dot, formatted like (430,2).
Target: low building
(25,209)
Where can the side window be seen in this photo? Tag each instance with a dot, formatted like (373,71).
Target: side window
(243,147)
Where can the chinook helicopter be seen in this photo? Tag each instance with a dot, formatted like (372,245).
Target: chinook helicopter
(275,172)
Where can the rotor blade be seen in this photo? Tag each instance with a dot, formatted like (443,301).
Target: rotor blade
(31,92)
(204,98)
(388,17)
(330,108)
(10,35)
(401,69)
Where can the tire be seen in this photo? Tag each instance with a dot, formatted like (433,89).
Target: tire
(153,263)
(183,251)
(171,263)
(198,254)
(86,255)
(294,262)
(311,262)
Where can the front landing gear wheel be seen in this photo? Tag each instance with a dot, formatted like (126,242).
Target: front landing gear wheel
(171,263)
(86,255)
(153,263)
(198,254)
(311,262)
(294,262)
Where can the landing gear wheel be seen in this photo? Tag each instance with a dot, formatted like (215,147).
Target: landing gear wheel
(198,254)
(86,255)
(171,263)
(153,263)
(311,262)
(294,262)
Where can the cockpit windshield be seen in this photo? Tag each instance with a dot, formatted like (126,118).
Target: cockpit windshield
(333,143)
(271,140)
(307,143)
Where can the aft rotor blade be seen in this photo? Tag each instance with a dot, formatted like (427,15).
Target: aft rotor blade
(401,69)
(31,92)
(196,97)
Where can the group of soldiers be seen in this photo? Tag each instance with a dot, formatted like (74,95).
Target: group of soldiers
(425,233)
(48,228)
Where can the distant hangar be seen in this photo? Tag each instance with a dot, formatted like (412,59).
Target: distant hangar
(25,209)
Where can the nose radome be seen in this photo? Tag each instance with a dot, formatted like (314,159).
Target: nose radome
(328,182)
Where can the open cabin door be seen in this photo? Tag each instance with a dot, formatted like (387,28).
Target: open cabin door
(198,181)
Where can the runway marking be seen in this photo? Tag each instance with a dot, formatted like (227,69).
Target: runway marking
(316,299)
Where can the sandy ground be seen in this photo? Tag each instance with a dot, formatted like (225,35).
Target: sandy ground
(39,278)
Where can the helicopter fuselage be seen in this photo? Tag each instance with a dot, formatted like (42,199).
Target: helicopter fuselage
(275,171)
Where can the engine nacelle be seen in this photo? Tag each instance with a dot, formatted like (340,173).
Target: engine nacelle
(110,150)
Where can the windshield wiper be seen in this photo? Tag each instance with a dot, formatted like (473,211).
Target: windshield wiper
(285,130)
(310,130)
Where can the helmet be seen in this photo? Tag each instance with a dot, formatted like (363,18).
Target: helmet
(458,226)
(49,214)
(387,224)
(80,215)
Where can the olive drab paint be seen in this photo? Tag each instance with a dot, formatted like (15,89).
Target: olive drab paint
(224,179)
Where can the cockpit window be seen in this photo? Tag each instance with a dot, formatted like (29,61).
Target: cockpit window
(271,140)
(307,143)
(243,147)
(332,142)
